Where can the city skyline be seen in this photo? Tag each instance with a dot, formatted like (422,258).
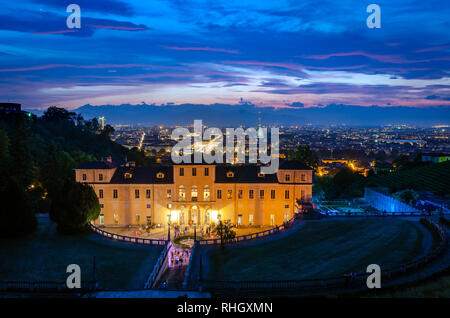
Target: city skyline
(287,55)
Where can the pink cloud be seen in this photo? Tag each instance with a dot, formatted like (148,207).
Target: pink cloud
(56,32)
(433,48)
(99,66)
(115,27)
(200,49)
(388,58)
(292,66)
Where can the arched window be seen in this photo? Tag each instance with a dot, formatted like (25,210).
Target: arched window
(181,193)
(206,193)
(194,193)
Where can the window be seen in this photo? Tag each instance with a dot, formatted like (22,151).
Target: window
(181,193)
(286,217)
(286,194)
(102,219)
(302,194)
(136,194)
(84,177)
(206,193)
(219,194)
(149,220)
(261,194)
(169,194)
(250,194)
(206,172)
(115,194)
(286,206)
(230,194)
(160,175)
(100,193)
(102,205)
(148,206)
(169,205)
(250,219)
(230,174)
(240,219)
(116,218)
(194,193)
(287,177)
(272,219)
(303,177)
(100,177)
(240,191)
(181,172)
(194,172)
(138,219)
(147,193)
(272,194)
(128,175)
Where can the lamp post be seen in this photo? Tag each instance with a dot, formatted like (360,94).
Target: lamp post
(195,232)
(168,226)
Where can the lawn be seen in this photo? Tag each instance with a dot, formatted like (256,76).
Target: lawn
(320,249)
(44,255)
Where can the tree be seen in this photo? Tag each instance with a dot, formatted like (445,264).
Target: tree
(16,213)
(407,196)
(21,165)
(225,231)
(305,155)
(54,113)
(73,210)
(56,170)
(108,131)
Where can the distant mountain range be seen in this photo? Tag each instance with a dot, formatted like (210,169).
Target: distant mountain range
(222,115)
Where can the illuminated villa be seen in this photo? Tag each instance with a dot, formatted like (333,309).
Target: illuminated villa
(200,194)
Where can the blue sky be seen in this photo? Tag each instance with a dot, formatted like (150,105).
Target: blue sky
(273,53)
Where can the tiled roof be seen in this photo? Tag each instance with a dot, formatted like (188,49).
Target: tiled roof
(243,174)
(97,165)
(143,175)
(293,165)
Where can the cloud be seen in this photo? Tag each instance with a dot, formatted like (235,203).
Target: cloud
(436,97)
(210,49)
(433,49)
(296,105)
(103,6)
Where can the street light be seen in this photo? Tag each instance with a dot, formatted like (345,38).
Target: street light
(195,232)
(168,227)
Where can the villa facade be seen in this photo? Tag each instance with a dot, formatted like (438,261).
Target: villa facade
(200,194)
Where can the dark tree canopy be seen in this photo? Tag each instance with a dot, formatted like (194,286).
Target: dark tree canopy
(75,207)
(305,155)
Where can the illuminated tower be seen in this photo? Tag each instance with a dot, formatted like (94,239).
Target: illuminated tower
(101,121)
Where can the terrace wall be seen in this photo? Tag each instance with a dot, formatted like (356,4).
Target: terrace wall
(386,203)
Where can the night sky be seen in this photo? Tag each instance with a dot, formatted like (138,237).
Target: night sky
(272,53)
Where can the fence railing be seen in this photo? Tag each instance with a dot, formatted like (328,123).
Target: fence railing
(330,283)
(158,267)
(129,239)
(45,286)
(187,275)
(251,236)
(377,213)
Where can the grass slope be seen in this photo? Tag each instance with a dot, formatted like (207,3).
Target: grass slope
(321,249)
(431,177)
(44,255)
